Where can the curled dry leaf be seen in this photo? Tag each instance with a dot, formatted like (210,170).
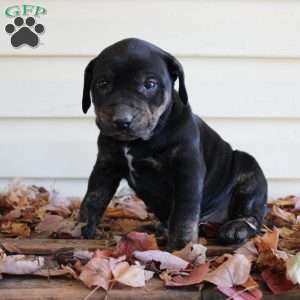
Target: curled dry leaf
(12,215)
(249,250)
(195,277)
(280,217)
(293,268)
(58,210)
(96,272)
(274,259)
(292,241)
(193,253)
(268,241)
(277,281)
(135,241)
(15,229)
(20,264)
(51,223)
(131,275)
(166,260)
(127,207)
(234,271)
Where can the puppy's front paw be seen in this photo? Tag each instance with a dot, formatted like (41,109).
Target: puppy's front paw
(88,232)
(235,232)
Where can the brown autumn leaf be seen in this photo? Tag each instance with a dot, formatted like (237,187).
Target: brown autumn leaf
(51,223)
(277,281)
(287,201)
(135,241)
(280,217)
(268,241)
(274,259)
(291,242)
(127,207)
(58,210)
(13,215)
(193,253)
(166,260)
(195,277)
(96,272)
(15,229)
(234,271)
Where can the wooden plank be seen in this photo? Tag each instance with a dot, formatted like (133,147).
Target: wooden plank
(49,246)
(211,293)
(208,27)
(25,288)
(217,87)
(52,246)
(14,288)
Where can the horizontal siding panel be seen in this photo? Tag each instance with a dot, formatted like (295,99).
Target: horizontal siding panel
(260,28)
(61,148)
(259,88)
(77,187)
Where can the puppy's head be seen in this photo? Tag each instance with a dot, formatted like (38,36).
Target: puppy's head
(131,85)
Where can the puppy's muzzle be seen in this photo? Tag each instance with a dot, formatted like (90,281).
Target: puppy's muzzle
(123,121)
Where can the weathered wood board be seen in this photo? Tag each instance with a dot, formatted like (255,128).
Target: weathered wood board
(34,288)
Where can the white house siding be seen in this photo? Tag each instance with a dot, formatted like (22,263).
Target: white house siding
(242,64)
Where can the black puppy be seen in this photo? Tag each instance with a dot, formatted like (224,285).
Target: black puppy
(183,170)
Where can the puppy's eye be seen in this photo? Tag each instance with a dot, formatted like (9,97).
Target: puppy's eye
(102,84)
(150,84)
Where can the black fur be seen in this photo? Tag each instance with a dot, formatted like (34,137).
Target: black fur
(183,170)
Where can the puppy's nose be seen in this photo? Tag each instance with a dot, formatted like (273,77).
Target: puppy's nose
(122,122)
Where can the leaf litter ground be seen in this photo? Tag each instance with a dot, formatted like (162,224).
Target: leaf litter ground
(133,246)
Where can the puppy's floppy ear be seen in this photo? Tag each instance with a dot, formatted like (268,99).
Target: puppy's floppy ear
(88,75)
(176,71)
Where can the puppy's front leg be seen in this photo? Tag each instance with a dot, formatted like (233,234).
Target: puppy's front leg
(103,183)
(188,186)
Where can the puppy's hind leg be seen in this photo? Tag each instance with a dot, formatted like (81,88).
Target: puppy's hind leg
(248,203)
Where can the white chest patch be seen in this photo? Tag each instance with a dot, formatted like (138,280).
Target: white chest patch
(129,158)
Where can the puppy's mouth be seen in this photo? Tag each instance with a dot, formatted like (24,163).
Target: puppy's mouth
(125,134)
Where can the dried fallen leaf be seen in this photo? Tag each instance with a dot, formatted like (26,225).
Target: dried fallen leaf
(234,271)
(268,241)
(274,259)
(249,250)
(195,277)
(280,217)
(293,268)
(58,210)
(51,223)
(127,207)
(131,275)
(15,229)
(12,215)
(96,272)
(20,264)
(193,253)
(277,281)
(166,260)
(135,241)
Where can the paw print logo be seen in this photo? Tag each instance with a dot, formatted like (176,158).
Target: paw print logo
(24,33)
